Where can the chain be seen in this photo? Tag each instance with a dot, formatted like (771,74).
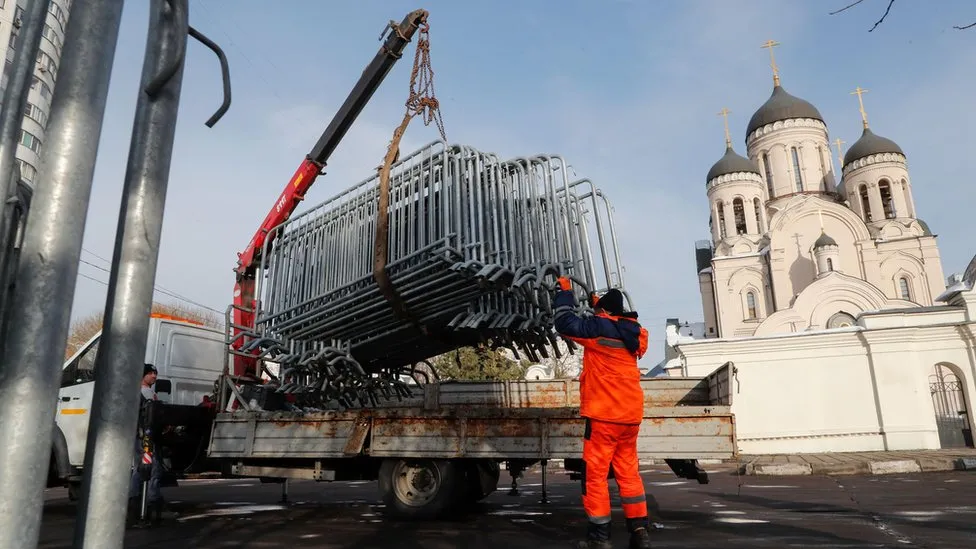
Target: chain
(422,100)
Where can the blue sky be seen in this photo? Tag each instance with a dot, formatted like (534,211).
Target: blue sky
(626,90)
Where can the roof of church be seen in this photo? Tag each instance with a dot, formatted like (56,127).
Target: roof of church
(731,162)
(824,240)
(782,106)
(870,143)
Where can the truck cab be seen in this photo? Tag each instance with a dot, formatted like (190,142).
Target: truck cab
(188,356)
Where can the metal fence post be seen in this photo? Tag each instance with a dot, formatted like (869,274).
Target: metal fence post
(32,350)
(11,120)
(112,432)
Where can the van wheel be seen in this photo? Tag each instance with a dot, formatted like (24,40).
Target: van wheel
(420,488)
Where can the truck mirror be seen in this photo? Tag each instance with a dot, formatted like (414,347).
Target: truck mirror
(164,386)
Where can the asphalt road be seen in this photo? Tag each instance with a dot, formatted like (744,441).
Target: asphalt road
(928,510)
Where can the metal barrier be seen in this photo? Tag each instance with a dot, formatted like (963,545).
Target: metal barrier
(474,248)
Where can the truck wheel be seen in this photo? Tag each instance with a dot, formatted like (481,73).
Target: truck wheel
(482,480)
(420,488)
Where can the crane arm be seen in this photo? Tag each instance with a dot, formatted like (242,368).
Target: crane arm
(311,167)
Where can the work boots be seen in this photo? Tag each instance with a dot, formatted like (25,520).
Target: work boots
(597,537)
(640,537)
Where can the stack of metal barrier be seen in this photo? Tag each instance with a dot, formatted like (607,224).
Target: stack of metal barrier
(475,247)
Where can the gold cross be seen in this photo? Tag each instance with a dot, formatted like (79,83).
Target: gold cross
(724,113)
(864,116)
(840,153)
(770,44)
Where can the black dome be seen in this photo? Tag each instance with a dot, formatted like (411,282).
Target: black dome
(870,143)
(781,106)
(732,162)
(823,241)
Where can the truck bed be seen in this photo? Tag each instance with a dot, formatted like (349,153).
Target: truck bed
(685,418)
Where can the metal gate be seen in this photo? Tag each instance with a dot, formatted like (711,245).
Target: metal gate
(951,415)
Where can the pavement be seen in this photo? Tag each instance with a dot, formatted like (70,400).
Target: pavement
(932,510)
(860,463)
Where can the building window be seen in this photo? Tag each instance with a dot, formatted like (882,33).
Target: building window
(830,264)
(47,63)
(757,204)
(30,141)
(768,168)
(798,178)
(884,187)
(904,288)
(35,113)
(721,220)
(739,211)
(823,169)
(27,171)
(750,306)
(840,320)
(41,87)
(865,202)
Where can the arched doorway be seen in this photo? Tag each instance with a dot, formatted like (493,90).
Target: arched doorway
(951,413)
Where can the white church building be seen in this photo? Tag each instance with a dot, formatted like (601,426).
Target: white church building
(828,295)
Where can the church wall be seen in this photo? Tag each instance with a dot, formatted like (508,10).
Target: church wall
(870,172)
(727,193)
(917,260)
(854,389)
(777,139)
(735,279)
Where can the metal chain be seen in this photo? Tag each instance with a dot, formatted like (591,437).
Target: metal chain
(422,101)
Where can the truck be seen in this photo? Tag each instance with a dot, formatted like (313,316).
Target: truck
(438,446)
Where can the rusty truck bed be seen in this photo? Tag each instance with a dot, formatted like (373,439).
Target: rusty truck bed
(685,418)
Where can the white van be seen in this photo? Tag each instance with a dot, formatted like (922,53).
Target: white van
(187,354)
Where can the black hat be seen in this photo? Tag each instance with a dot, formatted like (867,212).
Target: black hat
(149,369)
(612,302)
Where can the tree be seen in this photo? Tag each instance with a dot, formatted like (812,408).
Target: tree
(479,363)
(86,327)
(885,15)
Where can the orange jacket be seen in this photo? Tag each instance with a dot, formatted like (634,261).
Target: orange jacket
(610,388)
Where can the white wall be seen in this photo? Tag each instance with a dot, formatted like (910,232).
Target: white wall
(853,389)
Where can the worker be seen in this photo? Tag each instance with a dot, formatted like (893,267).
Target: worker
(612,403)
(144,446)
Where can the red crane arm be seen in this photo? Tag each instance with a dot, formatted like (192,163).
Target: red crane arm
(245,305)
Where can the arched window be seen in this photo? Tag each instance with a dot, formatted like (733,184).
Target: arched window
(768,168)
(797,176)
(750,305)
(908,197)
(721,220)
(830,264)
(904,288)
(739,211)
(865,202)
(884,186)
(840,320)
(757,204)
(823,170)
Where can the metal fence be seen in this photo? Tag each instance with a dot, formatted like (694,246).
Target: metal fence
(474,248)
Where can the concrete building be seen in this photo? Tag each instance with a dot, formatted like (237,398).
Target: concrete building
(45,76)
(827,295)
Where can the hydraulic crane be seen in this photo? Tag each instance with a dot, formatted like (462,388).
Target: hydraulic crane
(311,167)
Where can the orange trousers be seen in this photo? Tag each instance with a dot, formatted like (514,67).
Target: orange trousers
(611,444)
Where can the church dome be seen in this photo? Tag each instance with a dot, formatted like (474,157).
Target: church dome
(782,106)
(870,143)
(732,162)
(824,241)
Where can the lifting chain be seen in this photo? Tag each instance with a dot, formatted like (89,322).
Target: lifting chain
(421,101)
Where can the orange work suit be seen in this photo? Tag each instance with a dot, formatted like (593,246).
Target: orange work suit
(612,401)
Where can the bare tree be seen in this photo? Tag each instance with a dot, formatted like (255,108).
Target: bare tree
(885,15)
(86,327)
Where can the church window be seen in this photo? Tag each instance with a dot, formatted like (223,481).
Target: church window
(796,170)
(823,169)
(750,305)
(768,168)
(840,320)
(884,186)
(830,264)
(757,204)
(905,290)
(865,202)
(739,211)
(721,220)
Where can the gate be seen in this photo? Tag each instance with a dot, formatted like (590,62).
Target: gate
(951,415)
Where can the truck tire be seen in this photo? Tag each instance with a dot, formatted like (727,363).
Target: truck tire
(482,479)
(420,488)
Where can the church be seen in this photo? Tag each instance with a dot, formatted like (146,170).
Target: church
(826,293)
(794,247)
